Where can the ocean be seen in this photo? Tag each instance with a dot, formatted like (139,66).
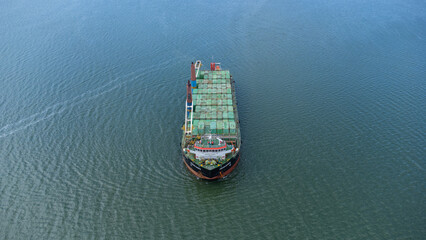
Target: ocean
(332,104)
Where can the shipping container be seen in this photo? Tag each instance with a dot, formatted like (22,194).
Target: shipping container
(219,115)
(219,127)
(232,127)
(213,127)
(225,127)
(230,115)
(195,131)
(195,123)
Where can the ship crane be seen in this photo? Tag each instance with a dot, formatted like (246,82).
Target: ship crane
(189,108)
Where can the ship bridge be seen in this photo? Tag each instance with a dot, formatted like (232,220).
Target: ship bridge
(211,147)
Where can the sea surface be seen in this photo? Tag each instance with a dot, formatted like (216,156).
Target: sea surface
(332,104)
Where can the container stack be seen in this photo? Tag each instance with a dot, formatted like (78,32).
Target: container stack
(214,104)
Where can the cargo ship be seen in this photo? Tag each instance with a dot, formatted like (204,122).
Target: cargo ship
(211,139)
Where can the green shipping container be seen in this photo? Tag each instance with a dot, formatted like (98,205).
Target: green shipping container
(195,131)
(225,127)
(207,129)
(219,115)
(201,127)
(200,124)
(195,123)
(232,127)
(213,127)
(231,115)
(219,127)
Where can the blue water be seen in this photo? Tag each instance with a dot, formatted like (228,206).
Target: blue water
(331,102)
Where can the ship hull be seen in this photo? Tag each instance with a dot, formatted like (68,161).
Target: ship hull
(213,174)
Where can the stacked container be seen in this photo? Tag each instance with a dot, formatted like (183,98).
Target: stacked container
(213,102)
